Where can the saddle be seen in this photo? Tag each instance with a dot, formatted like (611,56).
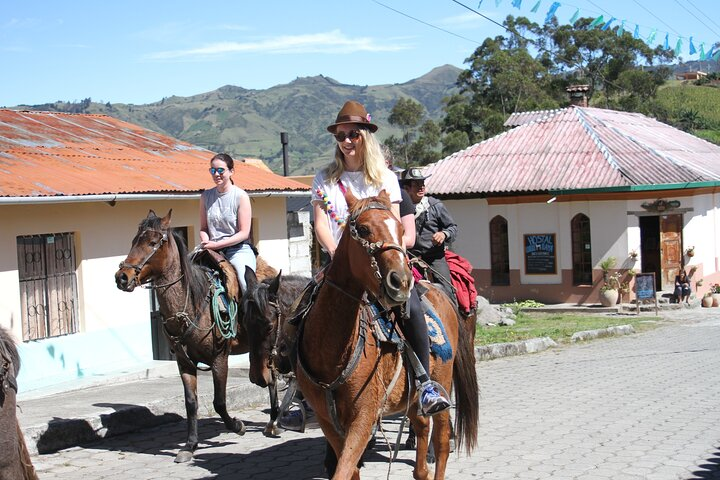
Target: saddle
(217,262)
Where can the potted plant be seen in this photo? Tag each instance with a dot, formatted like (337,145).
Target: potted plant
(707,300)
(606,265)
(633,254)
(715,293)
(610,290)
(690,252)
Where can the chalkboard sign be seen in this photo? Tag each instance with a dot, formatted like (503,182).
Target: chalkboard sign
(645,286)
(540,257)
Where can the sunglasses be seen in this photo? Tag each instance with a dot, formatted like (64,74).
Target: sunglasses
(214,170)
(353,135)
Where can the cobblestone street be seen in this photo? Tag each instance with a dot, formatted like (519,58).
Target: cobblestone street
(644,406)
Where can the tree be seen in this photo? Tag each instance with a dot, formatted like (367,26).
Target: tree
(406,114)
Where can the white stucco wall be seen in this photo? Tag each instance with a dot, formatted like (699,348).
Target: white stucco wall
(114,326)
(614,231)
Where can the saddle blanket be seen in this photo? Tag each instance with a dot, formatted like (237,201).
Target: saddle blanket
(439,344)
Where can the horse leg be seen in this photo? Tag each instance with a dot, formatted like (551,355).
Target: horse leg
(352,449)
(421,426)
(271,429)
(441,434)
(220,373)
(188,375)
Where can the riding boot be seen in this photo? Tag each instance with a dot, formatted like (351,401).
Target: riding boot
(416,335)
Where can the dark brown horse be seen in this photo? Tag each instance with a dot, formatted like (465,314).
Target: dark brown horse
(159,255)
(15,463)
(350,379)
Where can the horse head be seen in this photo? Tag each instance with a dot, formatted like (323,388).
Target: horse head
(143,263)
(375,254)
(260,317)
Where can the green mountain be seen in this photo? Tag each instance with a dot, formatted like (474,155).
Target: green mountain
(247,123)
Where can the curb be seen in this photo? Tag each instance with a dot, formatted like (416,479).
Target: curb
(605,332)
(499,350)
(59,434)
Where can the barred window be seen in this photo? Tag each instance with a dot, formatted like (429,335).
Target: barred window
(48,285)
(581,250)
(499,252)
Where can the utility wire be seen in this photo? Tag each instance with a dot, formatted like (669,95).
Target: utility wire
(659,19)
(429,24)
(703,13)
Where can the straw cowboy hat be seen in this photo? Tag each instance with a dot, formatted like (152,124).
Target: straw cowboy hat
(353,112)
(413,173)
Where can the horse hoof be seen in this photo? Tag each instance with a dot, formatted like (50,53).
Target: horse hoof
(184,456)
(239,427)
(410,443)
(272,430)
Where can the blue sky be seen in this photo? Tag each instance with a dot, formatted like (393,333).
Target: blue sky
(138,52)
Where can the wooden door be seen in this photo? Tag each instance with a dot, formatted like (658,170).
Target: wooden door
(671,249)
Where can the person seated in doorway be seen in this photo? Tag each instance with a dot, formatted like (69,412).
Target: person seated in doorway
(682,287)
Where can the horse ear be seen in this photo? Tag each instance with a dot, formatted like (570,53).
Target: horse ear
(165,221)
(350,199)
(384,197)
(275,284)
(250,278)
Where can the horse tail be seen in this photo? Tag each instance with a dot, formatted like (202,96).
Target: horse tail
(27,467)
(467,403)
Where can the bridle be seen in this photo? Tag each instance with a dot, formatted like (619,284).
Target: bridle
(372,247)
(137,267)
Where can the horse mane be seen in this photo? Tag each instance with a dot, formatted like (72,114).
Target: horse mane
(192,277)
(9,350)
(291,286)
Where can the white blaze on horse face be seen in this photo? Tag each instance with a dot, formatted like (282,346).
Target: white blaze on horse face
(391,225)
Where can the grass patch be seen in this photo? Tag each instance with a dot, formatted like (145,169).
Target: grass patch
(558,326)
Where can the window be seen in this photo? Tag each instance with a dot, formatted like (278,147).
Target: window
(581,251)
(48,286)
(499,252)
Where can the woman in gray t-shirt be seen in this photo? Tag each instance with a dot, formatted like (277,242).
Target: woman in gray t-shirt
(225,217)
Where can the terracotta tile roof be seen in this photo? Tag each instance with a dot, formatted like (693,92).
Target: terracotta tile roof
(577,148)
(49,154)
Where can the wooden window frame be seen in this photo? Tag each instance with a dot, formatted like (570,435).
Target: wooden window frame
(499,252)
(48,285)
(581,256)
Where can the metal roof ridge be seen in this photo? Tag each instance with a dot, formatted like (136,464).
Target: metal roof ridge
(582,117)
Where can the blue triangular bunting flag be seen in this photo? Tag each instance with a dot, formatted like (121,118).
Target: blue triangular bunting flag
(678,46)
(551,12)
(651,37)
(636,33)
(667,41)
(535,8)
(607,24)
(575,16)
(692,47)
(517,4)
(621,28)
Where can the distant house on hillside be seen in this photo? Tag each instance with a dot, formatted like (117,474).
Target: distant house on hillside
(542,205)
(73,189)
(697,75)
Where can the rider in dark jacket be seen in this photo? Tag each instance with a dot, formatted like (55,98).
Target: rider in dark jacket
(435,228)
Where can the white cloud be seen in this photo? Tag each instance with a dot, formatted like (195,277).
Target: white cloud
(328,42)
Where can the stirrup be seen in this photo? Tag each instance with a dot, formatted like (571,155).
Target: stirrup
(440,390)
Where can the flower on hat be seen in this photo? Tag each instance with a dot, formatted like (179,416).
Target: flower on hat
(368,118)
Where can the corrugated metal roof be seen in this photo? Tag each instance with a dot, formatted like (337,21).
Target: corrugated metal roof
(49,154)
(577,148)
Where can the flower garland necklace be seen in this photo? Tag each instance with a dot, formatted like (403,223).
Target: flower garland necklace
(329,207)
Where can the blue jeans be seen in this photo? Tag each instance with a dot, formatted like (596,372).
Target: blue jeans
(239,256)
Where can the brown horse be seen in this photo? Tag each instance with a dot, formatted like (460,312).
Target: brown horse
(15,463)
(159,255)
(349,379)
